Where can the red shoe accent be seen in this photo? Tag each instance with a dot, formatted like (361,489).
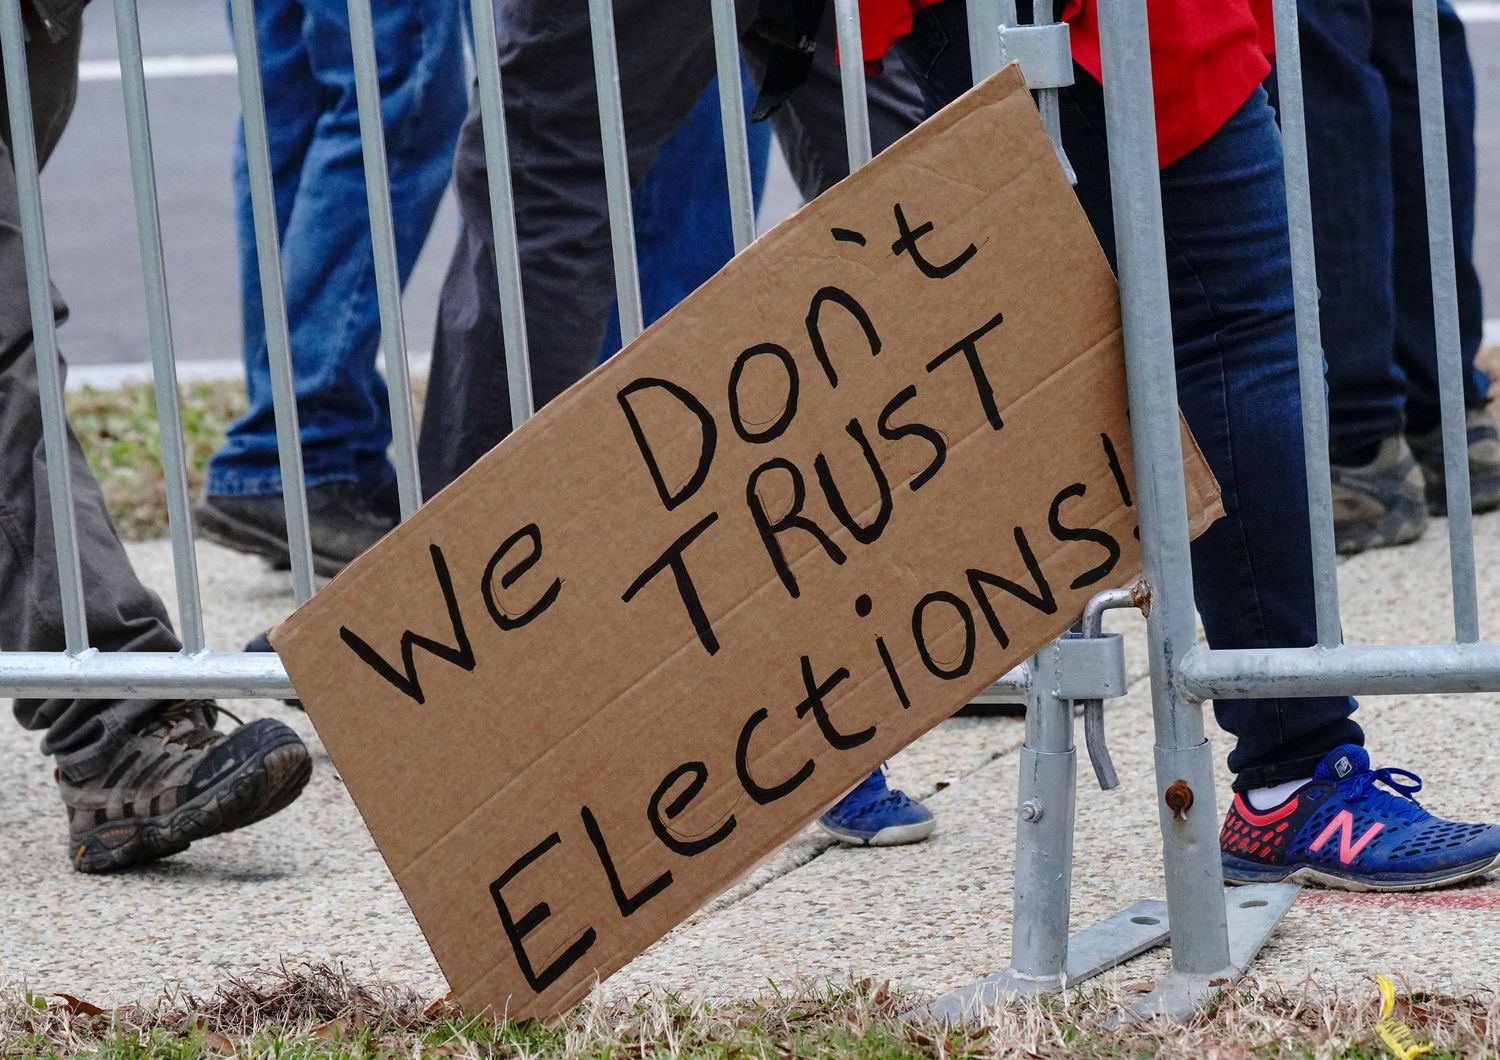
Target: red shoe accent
(1281,812)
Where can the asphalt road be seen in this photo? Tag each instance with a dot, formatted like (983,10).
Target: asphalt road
(91,226)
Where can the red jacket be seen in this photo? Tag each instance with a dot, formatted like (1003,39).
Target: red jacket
(1207,56)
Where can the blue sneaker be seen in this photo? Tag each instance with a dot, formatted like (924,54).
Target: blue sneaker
(873,815)
(1340,830)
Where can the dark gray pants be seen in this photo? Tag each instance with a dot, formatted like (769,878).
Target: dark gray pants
(552,117)
(123,615)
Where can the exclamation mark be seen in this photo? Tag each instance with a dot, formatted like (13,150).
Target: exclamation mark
(1119,473)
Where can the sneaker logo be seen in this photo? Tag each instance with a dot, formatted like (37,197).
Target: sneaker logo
(1348,848)
(1343,767)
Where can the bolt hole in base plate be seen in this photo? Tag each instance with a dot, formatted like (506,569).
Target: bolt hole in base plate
(1254,903)
(1147,921)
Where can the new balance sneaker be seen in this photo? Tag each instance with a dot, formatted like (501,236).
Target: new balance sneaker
(1341,830)
(1380,503)
(1484,463)
(176,780)
(874,815)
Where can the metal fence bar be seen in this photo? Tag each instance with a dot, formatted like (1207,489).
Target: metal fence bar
(852,81)
(1378,669)
(502,213)
(273,296)
(984,36)
(144,675)
(616,169)
(732,118)
(1309,330)
(44,331)
(159,326)
(1194,876)
(383,247)
(1445,319)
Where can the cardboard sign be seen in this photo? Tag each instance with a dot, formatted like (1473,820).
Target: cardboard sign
(878,460)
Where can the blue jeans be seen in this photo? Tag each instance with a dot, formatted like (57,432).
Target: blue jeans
(1229,268)
(323,219)
(682,229)
(1370,219)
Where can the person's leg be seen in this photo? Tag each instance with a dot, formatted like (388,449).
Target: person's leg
(327,262)
(293,104)
(121,613)
(1229,267)
(557,177)
(1348,144)
(1415,343)
(683,233)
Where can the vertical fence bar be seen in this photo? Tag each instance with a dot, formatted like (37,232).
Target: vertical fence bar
(616,168)
(852,81)
(984,36)
(502,212)
(1044,833)
(383,247)
(1190,848)
(43,327)
(273,296)
(732,118)
(159,325)
(1309,330)
(1445,319)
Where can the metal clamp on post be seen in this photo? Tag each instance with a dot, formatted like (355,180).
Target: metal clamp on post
(1044,52)
(1046,57)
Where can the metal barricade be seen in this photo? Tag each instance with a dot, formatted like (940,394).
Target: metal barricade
(1213,939)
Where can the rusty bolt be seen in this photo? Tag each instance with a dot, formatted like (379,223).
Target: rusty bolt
(1179,798)
(1140,597)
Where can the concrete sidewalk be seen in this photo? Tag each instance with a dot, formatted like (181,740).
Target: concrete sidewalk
(310,883)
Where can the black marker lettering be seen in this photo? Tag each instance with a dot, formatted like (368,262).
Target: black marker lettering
(628,903)
(969,347)
(865,535)
(761,793)
(517,930)
(461,655)
(906,243)
(966,659)
(1042,599)
(709,436)
(814,326)
(789,408)
(792,519)
(686,847)
(532,533)
(1081,533)
(686,590)
(814,704)
(895,432)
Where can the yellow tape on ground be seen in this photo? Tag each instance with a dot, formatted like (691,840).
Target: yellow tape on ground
(1398,1037)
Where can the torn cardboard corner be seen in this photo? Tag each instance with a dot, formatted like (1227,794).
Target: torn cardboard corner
(878,460)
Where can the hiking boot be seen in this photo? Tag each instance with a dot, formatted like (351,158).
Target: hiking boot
(342,523)
(1378,504)
(874,815)
(1340,830)
(1484,463)
(177,779)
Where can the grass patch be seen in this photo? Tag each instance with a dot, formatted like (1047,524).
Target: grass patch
(317,1011)
(119,433)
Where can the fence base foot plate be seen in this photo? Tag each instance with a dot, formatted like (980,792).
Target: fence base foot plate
(1252,912)
(1096,949)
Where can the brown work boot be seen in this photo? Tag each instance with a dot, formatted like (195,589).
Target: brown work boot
(177,779)
(1484,462)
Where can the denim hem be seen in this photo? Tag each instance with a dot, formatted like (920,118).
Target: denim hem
(221,484)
